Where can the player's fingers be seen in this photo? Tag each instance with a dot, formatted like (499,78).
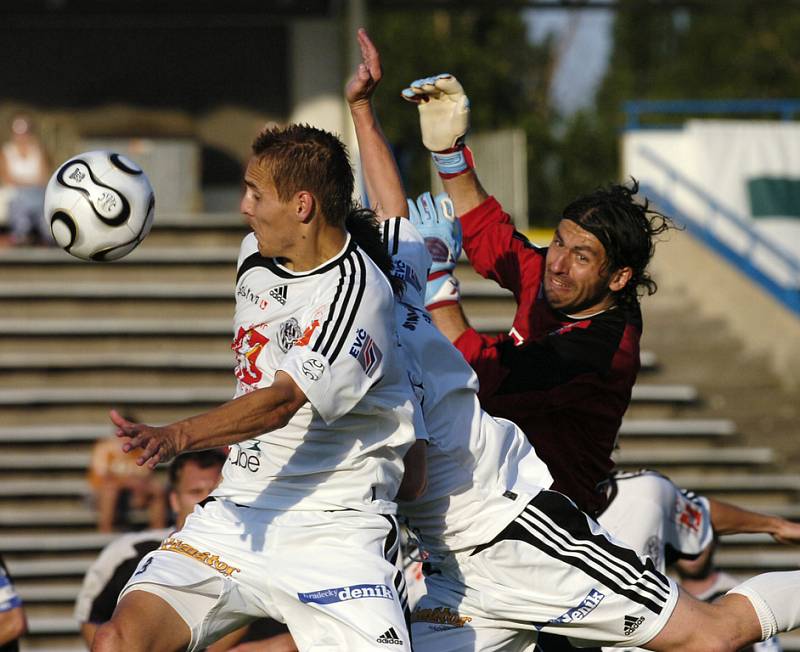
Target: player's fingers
(427,210)
(448,84)
(370,54)
(411,96)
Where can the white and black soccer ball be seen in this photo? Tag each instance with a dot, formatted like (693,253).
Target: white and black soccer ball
(100,205)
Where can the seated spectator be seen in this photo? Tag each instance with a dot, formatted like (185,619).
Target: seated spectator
(12,618)
(24,167)
(192,476)
(113,476)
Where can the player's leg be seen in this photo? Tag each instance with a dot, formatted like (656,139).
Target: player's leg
(142,622)
(754,611)
(341,587)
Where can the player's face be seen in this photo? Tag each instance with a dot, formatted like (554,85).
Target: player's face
(268,217)
(576,279)
(193,485)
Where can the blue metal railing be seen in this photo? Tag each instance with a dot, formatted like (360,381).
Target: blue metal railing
(788,295)
(786,108)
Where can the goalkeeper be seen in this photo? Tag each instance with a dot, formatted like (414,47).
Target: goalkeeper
(565,370)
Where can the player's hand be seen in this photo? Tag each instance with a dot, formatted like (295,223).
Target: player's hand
(787,532)
(368,74)
(157,444)
(435,219)
(443,110)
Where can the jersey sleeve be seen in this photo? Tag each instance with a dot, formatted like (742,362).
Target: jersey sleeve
(347,351)
(410,258)
(9,598)
(497,251)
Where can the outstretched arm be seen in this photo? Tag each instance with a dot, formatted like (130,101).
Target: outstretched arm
(381,175)
(730,519)
(250,415)
(444,121)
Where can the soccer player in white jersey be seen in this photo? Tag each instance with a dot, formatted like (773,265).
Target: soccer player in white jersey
(302,526)
(509,557)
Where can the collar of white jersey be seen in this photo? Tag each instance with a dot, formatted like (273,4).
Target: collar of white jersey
(257,260)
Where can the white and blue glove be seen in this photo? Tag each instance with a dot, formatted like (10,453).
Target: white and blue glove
(435,219)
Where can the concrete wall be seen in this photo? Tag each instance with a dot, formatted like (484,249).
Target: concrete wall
(684,266)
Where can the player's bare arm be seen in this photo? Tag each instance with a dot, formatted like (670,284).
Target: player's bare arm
(260,411)
(730,519)
(381,176)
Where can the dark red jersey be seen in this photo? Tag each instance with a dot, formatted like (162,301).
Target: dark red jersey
(566,382)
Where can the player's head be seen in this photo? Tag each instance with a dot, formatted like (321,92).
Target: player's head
(600,251)
(303,158)
(192,476)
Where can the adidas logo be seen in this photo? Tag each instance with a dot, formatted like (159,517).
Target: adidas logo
(389,637)
(632,624)
(279,294)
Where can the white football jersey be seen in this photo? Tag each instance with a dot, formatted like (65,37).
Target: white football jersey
(331,329)
(481,471)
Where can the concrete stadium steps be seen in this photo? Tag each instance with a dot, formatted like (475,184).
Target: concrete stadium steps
(151,334)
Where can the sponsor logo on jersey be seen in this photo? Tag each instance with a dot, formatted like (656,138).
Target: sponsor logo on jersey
(279,294)
(632,624)
(307,333)
(440,616)
(313,369)
(389,637)
(687,515)
(566,328)
(288,333)
(247,345)
(246,458)
(367,353)
(413,316)
(587,606)
(406,274)
(176,545)
(346,593)
(247,294)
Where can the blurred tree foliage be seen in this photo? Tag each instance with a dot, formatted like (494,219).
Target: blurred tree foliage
(733,49)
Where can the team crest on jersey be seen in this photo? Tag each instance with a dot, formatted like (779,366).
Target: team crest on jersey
(366,352)
(247,345)
(687,515)
(279,294)
(288,333)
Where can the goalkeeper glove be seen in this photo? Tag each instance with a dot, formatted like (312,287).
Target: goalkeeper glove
(435,219)
(444,120)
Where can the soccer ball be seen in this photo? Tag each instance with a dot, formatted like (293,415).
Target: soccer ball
(99,205)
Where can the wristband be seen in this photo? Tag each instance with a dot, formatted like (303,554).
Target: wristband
(454,161)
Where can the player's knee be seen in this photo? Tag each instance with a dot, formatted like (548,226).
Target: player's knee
(108,637)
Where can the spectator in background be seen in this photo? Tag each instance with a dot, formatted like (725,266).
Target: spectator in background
(112,473)
(24,166)
(12,618)
(192,476)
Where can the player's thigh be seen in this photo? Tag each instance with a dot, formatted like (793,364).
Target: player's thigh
(555,570)
(341,587)
(440,623)
(143,622)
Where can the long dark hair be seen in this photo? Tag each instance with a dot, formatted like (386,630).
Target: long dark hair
(362,223)
(627,229)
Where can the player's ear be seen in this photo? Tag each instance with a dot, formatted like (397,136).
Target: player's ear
(304,204)
(173,502)
(619,278)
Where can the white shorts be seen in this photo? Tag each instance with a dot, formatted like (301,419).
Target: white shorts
(332,577)
(656,518)
(552,569)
